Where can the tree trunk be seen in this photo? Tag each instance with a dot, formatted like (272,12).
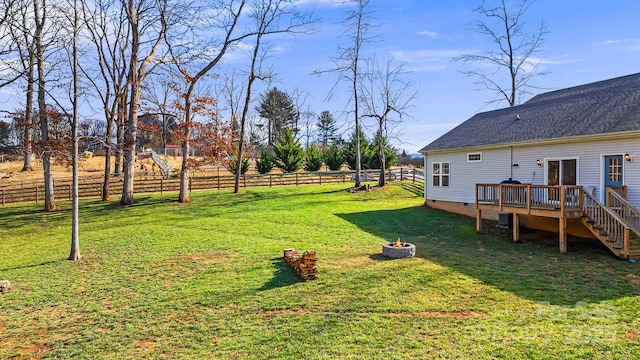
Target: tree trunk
(107,162)
(183,197)
(382,181)
(28,119)
(49,203)
(129,146)
(184,175)
(75,224)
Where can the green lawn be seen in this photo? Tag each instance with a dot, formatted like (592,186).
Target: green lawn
(161,279)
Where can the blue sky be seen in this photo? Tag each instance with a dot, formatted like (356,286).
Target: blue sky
(588,41)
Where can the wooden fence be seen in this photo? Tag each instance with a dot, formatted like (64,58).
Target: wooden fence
(92,187)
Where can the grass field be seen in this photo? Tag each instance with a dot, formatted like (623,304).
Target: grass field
(161,279)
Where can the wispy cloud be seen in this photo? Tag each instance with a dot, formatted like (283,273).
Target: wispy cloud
(558,60)
(427,33)
(633,44)
(326,3)
(426,60)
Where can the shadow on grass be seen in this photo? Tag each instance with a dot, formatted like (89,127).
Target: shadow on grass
(416,188)
(33,265)
(531,270)
(283,275)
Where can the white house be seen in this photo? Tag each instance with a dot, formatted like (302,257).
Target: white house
(577,142)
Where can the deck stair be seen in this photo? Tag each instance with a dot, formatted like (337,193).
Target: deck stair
(616,224)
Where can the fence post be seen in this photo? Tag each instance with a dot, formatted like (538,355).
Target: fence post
(414,175)
(2,196)
(69,191)
(244,179)
(344,178)
(320,178)
(296,179)
(401,174)
(270,179)
(37,194)
(218,179)
(161,185)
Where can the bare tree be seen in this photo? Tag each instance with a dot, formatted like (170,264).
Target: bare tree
(41,34)
(270,17)
(148,21)
(385,90)
(348,61)
(227,18)
(231,91)
(509,69)
(75,208)
(21,30)
(107,29)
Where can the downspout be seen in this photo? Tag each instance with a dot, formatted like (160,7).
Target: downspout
(424,156)
(510,162)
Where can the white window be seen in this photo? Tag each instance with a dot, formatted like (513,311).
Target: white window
(440,174)
(474,157)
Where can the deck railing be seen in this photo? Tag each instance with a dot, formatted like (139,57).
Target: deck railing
(530,196)
(627,212)
(608,221)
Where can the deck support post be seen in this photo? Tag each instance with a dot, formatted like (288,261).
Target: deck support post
(563,234)
(479,221)
(516,227)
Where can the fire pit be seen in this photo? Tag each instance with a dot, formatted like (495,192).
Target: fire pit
(398,250)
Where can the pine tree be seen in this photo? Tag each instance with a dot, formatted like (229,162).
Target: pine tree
(288,153)
(334,157)
(366,152)
(279,109)
(326,128)
(313,159)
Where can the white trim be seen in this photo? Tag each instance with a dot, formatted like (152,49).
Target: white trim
(441,174)
(603,190)
(546,167)
(479,153)
(565,140)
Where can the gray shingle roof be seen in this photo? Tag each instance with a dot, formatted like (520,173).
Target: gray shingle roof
(607,106)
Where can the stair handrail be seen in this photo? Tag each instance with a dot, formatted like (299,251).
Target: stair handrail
(625,210)
(590,203)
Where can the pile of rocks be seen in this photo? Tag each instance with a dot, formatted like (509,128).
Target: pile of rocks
(304,264)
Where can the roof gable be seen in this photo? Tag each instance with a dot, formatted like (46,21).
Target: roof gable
(598,108)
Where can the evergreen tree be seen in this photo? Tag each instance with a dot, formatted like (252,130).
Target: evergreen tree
(366,152)
(333,157)
(313,161)
(232,165)
(390,155)
(326,128)
(289,154)
(279,109)
(265,163)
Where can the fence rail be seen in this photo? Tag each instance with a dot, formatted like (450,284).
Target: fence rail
(92,187)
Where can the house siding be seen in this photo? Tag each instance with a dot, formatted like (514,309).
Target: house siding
(494,167)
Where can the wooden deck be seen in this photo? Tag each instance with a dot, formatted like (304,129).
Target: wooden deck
(614,228)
